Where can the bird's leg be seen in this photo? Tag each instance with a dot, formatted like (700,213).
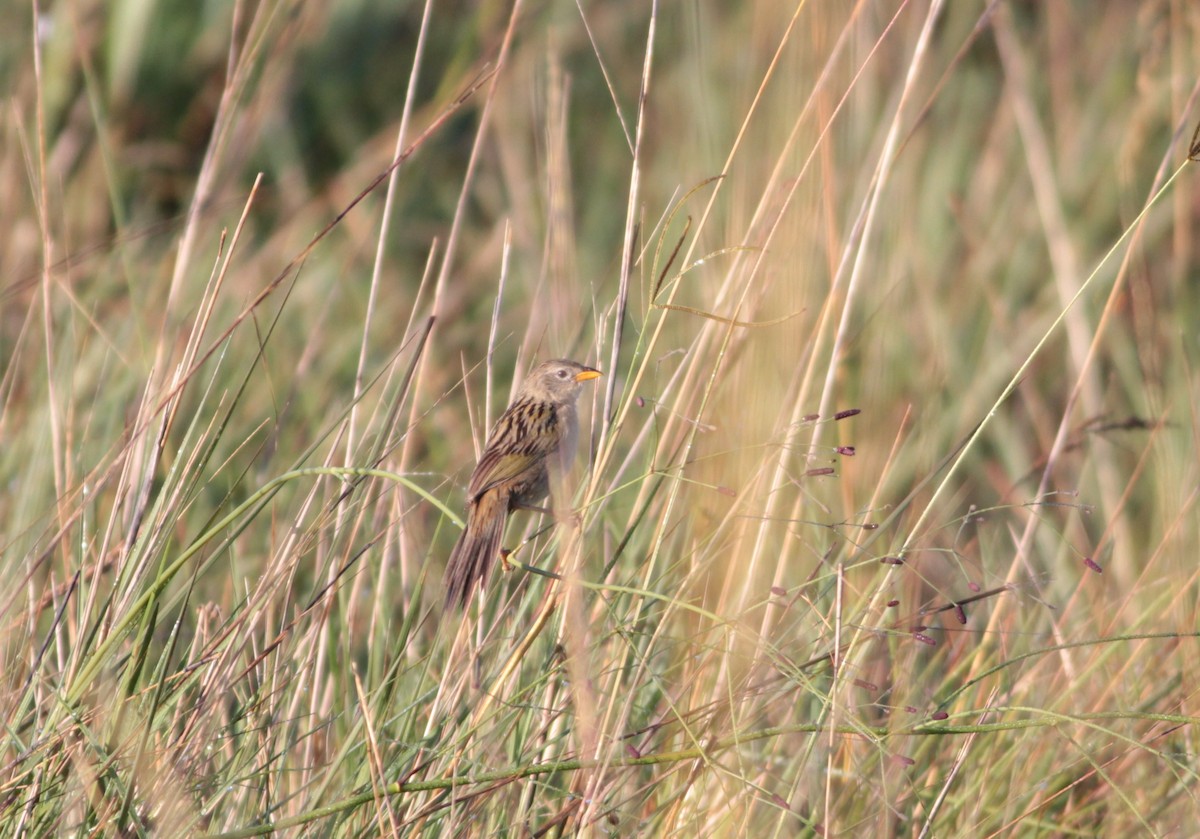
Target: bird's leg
(572,518)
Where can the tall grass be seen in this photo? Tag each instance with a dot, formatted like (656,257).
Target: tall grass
(886,508)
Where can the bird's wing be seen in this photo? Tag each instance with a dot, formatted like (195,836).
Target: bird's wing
(525,437)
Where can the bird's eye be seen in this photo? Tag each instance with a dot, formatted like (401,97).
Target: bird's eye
(563,373)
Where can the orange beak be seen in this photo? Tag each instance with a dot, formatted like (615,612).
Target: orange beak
(584,375)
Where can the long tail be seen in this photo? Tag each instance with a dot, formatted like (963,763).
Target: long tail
(477,548)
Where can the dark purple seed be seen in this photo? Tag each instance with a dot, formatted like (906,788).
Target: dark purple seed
(870,526)
(924,639)
(810,418)
(779,591)
(780,801)
(865,685)
(632,751)
(848,451)
(940,715)
(726,491)
(907,761)
(1092,566)
(816,473)
(893,603)
(852,412)
(973,587)
(640,402)
(920,627)
(960,613)
(910,709)
(891,560)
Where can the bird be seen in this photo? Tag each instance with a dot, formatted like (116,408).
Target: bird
(533,440)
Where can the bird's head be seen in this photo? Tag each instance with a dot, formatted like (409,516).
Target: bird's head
(558,380)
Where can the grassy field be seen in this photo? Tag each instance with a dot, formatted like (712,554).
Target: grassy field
(886,509)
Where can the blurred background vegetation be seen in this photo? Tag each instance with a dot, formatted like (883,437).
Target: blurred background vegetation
(895,207)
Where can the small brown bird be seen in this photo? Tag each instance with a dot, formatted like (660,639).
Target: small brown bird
(534,437)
